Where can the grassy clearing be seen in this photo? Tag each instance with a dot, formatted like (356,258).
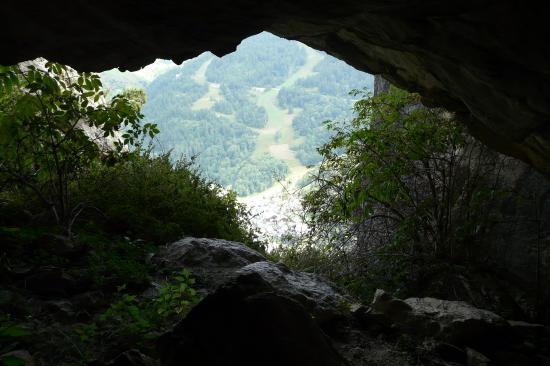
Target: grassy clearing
(213,94)
(278,136)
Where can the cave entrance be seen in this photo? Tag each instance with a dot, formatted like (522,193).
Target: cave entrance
(252,119)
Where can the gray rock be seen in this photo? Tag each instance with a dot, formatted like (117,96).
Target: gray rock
(316,295)
(362,349)
(255,312)
(526,330)
(397,310)
(191,252)
(212,261)
(368,318)
(455,322)
(215,262)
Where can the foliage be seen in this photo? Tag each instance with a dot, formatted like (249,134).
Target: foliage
(175,298)
(320,97)
(303,256)
(82,157)
(53,126)
(263,60)
(128,200)
(136,320)
(220,138)
(153,198)
(238,101)
(400,187)
(11,334)
(136,97)
(113,262)
(13,361)
(9,330)
(222,133)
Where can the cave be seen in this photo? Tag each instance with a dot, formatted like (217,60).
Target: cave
(484,60)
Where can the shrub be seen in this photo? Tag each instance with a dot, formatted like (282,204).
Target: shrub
(151,198)
(53,127)
(400,187)
(114,262)
(136,321)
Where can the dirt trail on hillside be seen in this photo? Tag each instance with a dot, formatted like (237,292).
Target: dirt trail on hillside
(277,136)
(275,209)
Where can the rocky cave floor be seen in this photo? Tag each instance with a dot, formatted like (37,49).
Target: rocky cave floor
(256,312)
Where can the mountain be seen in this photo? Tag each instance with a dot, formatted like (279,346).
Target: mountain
(116,80)
(251,117)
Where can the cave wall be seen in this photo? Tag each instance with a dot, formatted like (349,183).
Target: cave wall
(486,60)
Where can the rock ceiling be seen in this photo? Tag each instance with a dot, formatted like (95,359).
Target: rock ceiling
(489,61)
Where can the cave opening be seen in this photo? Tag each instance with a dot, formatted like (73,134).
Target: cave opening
(478,61)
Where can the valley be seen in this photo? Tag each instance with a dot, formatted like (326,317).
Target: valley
(252,120)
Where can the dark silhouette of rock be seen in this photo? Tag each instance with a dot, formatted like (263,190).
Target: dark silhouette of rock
(50,282)
(243,325)
(257,312)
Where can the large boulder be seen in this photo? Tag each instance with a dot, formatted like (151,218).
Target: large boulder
(212,261)
(318,296)
(255,312)
(454,322)
(242,324)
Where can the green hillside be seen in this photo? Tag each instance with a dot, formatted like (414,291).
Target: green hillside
(252,116)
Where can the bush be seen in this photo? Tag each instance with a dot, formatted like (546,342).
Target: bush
(132,321)
(401,188)
(113,262)
(151,198)
(53,127)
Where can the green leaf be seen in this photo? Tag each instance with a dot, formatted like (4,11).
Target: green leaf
(14,331)
(13,361)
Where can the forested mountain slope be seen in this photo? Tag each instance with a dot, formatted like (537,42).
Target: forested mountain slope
(249,117)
